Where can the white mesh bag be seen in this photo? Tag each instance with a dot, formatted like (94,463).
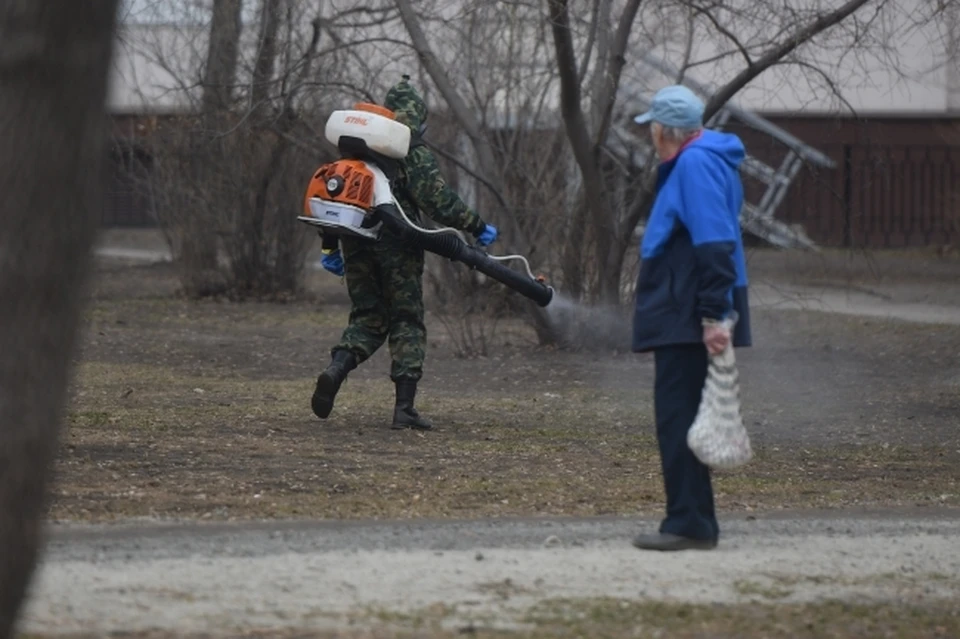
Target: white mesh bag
(718,437)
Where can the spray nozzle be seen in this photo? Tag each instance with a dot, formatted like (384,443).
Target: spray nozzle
(542,279)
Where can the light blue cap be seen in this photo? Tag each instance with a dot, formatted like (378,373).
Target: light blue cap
(675,106)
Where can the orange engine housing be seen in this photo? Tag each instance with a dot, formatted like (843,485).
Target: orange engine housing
(345,181)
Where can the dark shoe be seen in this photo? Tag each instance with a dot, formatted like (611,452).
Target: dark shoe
(667,541)
(329,382)
(404,414)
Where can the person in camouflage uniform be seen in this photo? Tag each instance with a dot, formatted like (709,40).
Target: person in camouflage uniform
(385,278)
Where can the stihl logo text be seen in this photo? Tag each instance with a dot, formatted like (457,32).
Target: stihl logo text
(352,119)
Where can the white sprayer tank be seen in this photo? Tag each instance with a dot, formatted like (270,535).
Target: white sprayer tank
(381,133)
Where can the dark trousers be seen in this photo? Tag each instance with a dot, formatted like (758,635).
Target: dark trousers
(680,375)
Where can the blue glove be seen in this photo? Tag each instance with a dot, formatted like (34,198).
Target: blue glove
(488,237)
(333,262)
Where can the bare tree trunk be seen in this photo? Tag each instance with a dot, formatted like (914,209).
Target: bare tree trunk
(250,266)
(573,252)
(199,242)
(266,56)
(585,147)
(273,144)
(223,52)
(54,59)
(595,220)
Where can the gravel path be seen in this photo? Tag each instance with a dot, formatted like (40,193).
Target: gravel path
(227,578)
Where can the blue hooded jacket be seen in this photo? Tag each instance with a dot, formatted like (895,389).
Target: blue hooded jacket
(692,257)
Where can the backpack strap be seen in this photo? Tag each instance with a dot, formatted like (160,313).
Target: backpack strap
(398,181)
(416,139)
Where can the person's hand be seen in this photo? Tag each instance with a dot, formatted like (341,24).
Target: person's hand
(488,236)
(333,262)
(716,337)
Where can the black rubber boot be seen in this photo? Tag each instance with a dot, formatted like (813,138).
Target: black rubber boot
(404,414)
(329,381)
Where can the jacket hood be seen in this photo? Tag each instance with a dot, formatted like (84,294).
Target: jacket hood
(409,107)
(726,145)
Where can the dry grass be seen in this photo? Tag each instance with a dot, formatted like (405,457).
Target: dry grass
(201,410)
(149,441)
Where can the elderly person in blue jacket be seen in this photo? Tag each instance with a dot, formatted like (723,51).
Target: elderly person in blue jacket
(692,275)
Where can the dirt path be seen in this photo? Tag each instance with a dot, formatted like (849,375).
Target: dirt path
(850,301)
(224,578)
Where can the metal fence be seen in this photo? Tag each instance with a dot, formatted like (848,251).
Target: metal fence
(126,204)
(880,196)
(891,193)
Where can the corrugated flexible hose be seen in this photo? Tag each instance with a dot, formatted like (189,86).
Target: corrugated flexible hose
(449,244)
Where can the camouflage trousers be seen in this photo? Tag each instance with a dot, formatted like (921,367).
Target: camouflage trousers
(385,283)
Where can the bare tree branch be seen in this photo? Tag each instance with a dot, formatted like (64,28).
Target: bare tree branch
(726,33)
(712,59)
(305,64)
(830,82)
(469,171)
(688,50)
(591,37)
(378,17)
(780,51)
(439,75)
(464,115)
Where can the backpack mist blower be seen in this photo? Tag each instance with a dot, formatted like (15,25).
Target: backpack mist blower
(353,196)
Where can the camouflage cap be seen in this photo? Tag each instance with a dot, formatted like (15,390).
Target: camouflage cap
(404,100)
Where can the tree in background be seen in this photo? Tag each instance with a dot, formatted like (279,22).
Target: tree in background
(530,103)
(590,44)
(252,84)
(228,171)
(54,60)
(611,223)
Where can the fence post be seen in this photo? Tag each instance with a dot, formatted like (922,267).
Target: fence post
(847,196)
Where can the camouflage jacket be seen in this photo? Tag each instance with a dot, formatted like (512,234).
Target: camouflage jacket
(421,187)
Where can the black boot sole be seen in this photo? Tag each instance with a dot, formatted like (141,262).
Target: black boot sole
(668,543)
(323,395)
(398,426)
(403,425)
